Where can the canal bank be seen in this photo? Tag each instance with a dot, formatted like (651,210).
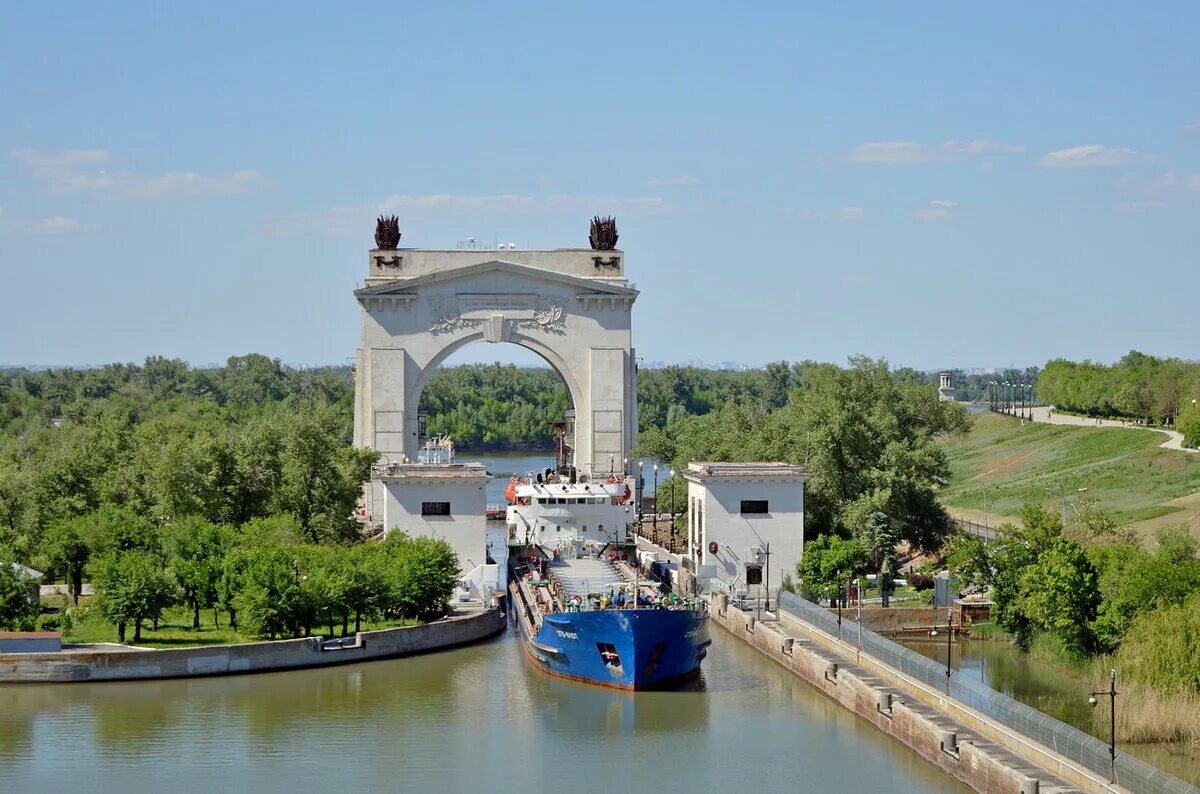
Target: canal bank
(108,663)
(897,708)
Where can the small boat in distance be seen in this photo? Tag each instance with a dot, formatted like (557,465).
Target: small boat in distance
(583,607)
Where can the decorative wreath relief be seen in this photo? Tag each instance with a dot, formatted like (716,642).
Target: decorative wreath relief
(547,316)
(447,318)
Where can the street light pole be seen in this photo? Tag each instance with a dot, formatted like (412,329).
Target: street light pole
(949,637)
(641,495)
(1112,722)
(671,479)
(656,508)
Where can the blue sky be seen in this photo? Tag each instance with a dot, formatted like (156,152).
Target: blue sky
(940,184)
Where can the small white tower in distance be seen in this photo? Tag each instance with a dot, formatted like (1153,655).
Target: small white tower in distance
(945,390)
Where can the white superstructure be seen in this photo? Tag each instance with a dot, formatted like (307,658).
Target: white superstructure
(570,520)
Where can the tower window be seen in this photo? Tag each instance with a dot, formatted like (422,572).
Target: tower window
(435,508)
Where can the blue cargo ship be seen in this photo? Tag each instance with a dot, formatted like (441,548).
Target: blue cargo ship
(583,608)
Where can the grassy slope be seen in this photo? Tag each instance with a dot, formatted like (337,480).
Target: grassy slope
(1003,464)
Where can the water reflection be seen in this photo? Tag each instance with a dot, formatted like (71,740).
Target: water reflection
(474,718)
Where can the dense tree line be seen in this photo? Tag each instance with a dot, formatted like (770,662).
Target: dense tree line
(232,489)
(869,438)
(1139,387)
(495,406)
(246,441)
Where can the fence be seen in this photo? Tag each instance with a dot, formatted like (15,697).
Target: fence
(982,531)
(1083,748)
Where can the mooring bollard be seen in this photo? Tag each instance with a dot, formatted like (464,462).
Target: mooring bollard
(950,742)
(1030,785)
(786,645)
(883,703)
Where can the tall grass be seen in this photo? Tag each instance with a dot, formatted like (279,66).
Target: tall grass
(1145,712)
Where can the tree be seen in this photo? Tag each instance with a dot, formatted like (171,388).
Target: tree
(322,478)
(67,549)
(1133,581)
(425,572)
(132,587)
(880,534)
(968,560)
(19,608)
(1017,547)
(829,563)
(1059,592)
(269,601)
(193,548)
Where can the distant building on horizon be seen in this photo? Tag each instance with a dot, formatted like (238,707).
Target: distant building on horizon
(945,390)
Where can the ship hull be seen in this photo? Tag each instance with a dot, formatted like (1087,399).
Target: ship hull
(623,648)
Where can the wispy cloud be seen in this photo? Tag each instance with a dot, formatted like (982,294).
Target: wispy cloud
(1192,129)
(1091,156)
(936,210)
(675,181)
(80,171)
(348,221)
(914,152)
(61,225)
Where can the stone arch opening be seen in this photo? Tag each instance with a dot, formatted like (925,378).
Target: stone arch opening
(553,364)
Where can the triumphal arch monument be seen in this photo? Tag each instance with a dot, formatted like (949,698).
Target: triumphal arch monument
(571,306)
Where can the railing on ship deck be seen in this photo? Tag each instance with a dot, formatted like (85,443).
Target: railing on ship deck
(1083,748)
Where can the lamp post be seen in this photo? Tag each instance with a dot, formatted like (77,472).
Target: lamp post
(1112,722)
(641,495)
(839,600)
(949,638)
(671,479)
(656,510)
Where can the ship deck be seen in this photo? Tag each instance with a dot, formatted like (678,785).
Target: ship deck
(582,576)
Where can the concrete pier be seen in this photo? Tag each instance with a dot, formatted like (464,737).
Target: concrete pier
(981,753)
(464,625)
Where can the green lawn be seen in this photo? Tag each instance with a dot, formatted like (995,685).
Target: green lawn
(1003,464)
(175,630)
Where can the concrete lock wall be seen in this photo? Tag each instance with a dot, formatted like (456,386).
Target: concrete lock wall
(117,665)
(898,619)
(989,766)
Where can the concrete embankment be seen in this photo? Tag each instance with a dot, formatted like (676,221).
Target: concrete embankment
(984,755)
(461,627)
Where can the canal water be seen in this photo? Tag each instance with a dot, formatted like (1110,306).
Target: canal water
(470,719)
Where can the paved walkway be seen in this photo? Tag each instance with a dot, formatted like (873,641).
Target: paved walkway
(1174,438)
